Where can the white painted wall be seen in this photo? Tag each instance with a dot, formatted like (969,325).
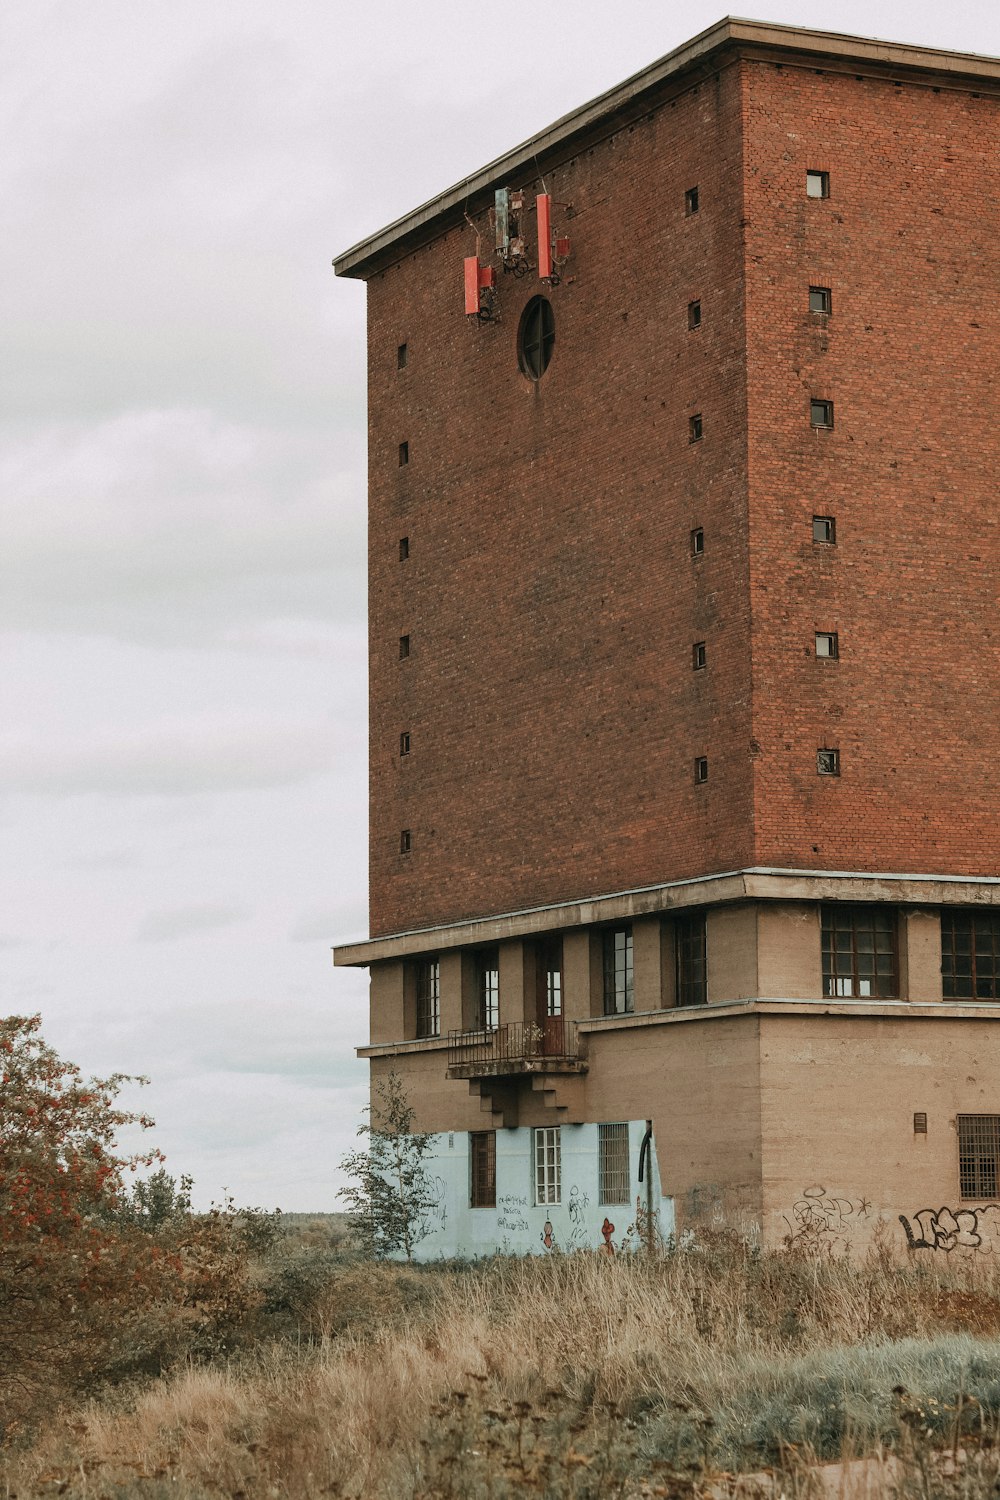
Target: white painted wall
(517,1226)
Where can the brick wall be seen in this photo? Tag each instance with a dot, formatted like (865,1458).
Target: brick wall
(909,243)
(550,597)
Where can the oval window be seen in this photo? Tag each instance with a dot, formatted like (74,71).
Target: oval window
(535,337)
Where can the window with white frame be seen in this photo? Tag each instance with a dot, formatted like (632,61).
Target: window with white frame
(548,1165)
(613,1170)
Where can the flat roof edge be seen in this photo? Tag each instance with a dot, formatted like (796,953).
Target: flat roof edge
(375,251)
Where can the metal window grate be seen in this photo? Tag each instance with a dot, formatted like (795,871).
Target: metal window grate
(619,996)
(859,952)
(978,1151)
(970,955)
(548,1164)
(615,1184)
(692,966)
(483,1159)
(429,998)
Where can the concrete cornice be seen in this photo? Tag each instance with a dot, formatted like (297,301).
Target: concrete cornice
(760,883)
(637,94)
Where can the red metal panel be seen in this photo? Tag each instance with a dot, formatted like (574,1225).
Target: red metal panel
(543,208)
(562,249)
(472,284)
(486,276)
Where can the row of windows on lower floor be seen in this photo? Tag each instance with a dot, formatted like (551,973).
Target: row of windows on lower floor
(614,1173)
(859,950)
(978,1163)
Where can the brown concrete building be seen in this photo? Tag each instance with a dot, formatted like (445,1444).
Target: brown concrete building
(684,568)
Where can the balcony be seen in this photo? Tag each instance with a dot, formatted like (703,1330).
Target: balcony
(548,1046)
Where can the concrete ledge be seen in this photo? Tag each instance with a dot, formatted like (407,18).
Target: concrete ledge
(759,883)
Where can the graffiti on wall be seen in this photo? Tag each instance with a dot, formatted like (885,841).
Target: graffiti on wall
(512,1212)
(434,1217)
(822,1221)
(951,1229)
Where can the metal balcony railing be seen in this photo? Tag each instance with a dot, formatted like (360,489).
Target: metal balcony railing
(515,1047)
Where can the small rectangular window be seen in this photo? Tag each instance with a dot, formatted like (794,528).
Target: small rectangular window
(821,413)
(827,645)
(819,299)
(697,542)
(701,768)
(483,1161)
(404,646)
(404,841)
(618,985)
(694,314)
(404,454)
(614,1178)
(694,428)
(978,1155)
(828,762)
(691,201)
(548,1165)
(817,184)
(401,357)
(824,529)
(690,946)
(404,742)
(428,987)
(699,657)
(404,548)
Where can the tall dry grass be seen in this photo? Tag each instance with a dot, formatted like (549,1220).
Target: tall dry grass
(574,1376)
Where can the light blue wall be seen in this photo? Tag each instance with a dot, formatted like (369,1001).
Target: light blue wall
(517,1226)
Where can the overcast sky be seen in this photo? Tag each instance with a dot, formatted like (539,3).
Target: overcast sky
(182,475)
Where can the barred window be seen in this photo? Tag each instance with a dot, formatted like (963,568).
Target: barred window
(978,1150)
(428,980)
(618,989)
(548,1165)
(615,1186)
(488,988)
(483,1160)
(970,955)
(692,967)
(859,951)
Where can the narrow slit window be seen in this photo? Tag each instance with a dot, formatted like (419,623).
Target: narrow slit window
(405,841)
(404,454)
(488,989)
(428,987)
(691,950)
(827,645)
(691,201)
(699,656)
(404,742)
(694,314)
(619,997)
(404,548)
(825,530)
(821,413)
(483,1153)
(404,647)
(402,354)
(697,542)
(695,428)
(548,1165)
(701,769)
(820,299)
(817,184)
(828,762)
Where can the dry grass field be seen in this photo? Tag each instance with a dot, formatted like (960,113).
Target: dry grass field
(574,1376)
